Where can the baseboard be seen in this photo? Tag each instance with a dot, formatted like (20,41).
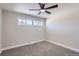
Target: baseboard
(59,44)
(65,46)
(11,47)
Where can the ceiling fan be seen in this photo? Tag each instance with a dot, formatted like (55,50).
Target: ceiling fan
(43,9)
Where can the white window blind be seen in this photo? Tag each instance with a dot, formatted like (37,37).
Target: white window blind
(24,22)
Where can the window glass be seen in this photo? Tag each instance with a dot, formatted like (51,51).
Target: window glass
(19,21)
(30,22)
(35,23)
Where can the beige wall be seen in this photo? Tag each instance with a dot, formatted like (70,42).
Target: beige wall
(0,29)
(15,35)
(63,28)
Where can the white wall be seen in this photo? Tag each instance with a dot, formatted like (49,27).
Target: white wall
(15,35)
(63,28)
(0,29)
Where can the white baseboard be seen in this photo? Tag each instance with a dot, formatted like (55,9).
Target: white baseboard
(65,46)
(11,47)
(59,44)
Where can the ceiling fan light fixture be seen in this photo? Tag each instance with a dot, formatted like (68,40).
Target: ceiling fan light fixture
(42,10)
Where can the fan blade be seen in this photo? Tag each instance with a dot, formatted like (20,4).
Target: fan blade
(35,9)
(39,13)
(48,12)
(41,5)
(52,7)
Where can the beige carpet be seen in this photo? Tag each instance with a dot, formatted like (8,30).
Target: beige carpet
(43,48)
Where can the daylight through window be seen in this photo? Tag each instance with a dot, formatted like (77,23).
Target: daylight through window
(24,22)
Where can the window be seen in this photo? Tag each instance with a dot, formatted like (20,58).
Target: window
(21,22)
(37,23)
(28,22)
(24,22)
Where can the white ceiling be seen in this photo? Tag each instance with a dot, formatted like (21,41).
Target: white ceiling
(24,8)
